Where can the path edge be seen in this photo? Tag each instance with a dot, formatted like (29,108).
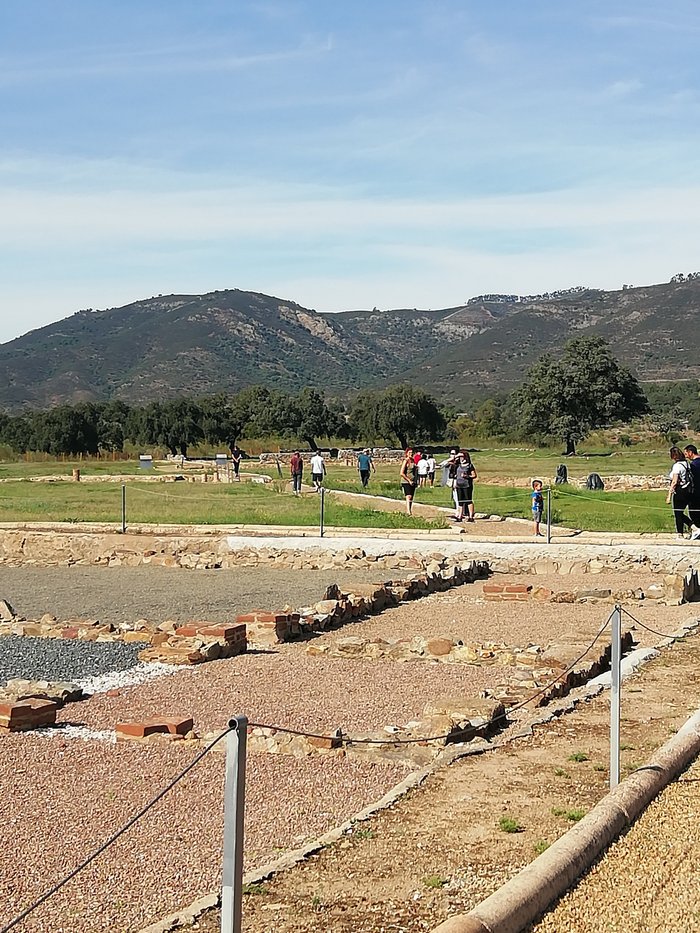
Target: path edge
(523,899)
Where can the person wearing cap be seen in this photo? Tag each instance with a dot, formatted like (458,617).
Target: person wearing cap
(365,464)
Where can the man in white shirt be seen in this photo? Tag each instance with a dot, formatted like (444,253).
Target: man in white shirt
(318,470)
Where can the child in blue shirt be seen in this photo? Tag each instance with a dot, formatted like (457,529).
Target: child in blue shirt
(537,506)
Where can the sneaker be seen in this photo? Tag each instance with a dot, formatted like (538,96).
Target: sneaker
(695,534)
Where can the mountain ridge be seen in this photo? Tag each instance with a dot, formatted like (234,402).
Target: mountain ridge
(223,340)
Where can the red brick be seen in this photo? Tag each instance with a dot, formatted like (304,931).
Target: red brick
(261,615)
(70,632)
(230,633)
(517,588)
(153,726)
(27,714)
(327,742)
(493,588)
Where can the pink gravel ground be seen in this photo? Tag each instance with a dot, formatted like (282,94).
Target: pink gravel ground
(64,798)
(289,688)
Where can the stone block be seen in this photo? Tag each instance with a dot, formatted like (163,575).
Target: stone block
(130,637)
(23,715)
(154,725)
(439,647)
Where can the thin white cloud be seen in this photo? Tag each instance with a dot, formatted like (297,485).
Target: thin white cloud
(152,61)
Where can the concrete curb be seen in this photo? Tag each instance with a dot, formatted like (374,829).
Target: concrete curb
(529,894)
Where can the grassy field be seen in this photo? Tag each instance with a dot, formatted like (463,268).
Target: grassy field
(185,503)
(188,503)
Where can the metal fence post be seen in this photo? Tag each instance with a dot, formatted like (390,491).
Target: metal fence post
(615,680)
(234,812)
(123,508)
(322,507)
(549,514)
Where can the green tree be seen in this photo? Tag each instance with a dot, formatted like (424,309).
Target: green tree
(585,388)
(397,413)
(311,417)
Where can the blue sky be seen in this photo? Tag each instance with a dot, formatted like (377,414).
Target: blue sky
(342,155)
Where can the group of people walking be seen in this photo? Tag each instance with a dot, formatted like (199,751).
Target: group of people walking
(418,469)
(684,490)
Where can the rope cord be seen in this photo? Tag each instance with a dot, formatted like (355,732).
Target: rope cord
(444,735)
(113,838)
(642,625)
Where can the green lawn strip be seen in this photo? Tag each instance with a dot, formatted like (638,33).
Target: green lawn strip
(186,503)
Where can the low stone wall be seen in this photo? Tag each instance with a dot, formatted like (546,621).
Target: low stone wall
(672,589)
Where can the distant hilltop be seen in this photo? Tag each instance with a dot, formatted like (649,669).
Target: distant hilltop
(224,340)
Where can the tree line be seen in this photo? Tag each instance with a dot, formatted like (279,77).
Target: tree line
(563,396)
(179,424)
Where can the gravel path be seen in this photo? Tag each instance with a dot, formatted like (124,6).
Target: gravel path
(647,882)
(116,594)
(62,659)
(290,688)
(172,855)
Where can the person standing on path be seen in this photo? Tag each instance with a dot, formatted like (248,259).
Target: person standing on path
(432,466)
(537,506)
(318,470)
(422,470)
(296,468)
(236,461)
(691,454)
(465,474)
(680,491)
(365,464)
(407,477)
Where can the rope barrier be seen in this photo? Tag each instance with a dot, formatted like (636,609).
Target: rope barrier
(113,838)
(445,735)
(648,628)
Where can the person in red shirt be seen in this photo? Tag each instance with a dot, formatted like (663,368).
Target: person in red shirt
(296,468)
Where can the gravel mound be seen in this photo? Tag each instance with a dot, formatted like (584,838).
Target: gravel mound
(62,658)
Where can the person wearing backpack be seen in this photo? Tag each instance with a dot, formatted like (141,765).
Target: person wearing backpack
(691,455)
(464,476)
(680,492)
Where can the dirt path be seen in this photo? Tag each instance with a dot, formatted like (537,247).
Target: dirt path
(444,847)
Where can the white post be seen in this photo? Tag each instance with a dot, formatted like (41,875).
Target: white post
(549,514)
(123,508)
(234,811)
(323,505)
(615,679)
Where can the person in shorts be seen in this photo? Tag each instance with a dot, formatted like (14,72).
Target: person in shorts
(537,506)
(408,478)
(318,470)
(422,466)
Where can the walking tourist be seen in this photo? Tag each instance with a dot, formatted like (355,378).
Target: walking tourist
(422,471)
(296,468)
(680,490)
(465,474)
(407,477)
(236,461)
(318,470)
(691,453)
(432,465)
(365,464)
(537,506)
